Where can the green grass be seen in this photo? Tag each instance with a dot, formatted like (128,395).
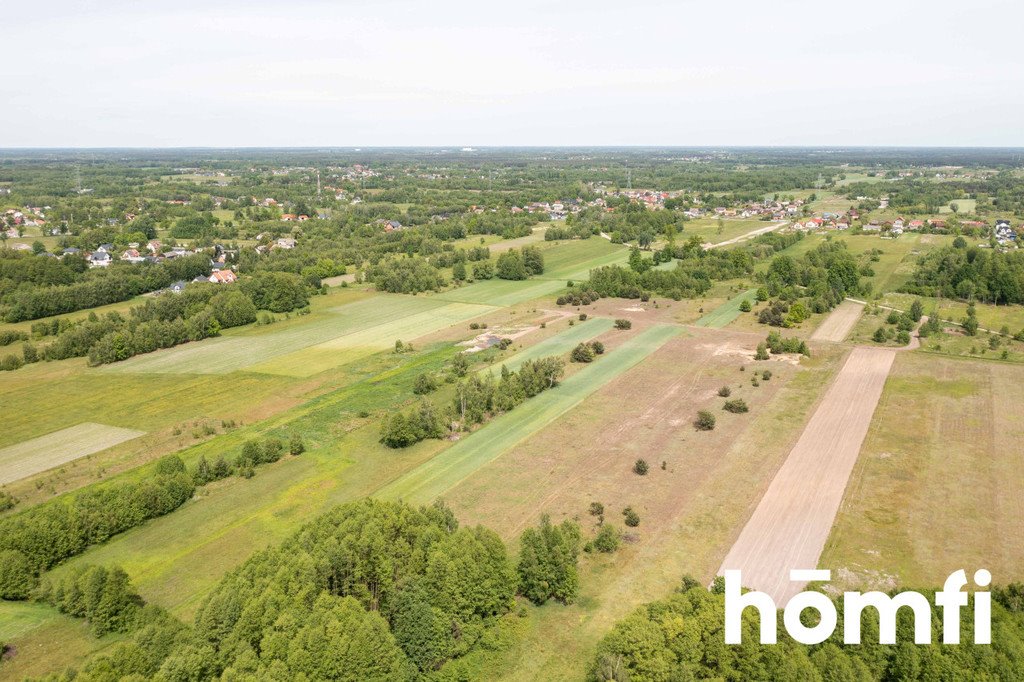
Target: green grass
(365,326)
(45,452)
(433,478)
(558,344)
(707,228)
(727,312)
(45,641)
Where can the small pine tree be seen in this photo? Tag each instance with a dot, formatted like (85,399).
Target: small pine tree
(640,467)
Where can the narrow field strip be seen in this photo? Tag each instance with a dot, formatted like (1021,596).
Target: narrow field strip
(453,465)
(791,523)
(727,312)
(358,344)
(556,345)
(60,447)
(383,316)
(836,327)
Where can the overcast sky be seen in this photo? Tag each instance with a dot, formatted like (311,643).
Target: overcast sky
(396,72)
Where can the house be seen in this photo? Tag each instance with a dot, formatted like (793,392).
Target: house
(71,251)
(154,246)
(99,259)
(178,287)
(132,256)
(288,217)
(105,248)
(223,277)
(897,224)
(285,243)
(915,224)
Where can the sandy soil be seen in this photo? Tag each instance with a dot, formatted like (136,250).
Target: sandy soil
(791,523)
(838,324)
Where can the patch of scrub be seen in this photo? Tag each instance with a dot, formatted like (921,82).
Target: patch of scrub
(60,447)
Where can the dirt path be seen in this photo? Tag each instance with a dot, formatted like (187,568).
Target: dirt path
(749,235)
(791,523)
(838,324)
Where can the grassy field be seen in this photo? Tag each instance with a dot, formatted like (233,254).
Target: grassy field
(690,511)
(993,317)
(433,478)
(558,344)
(965,206)
(707,228)
(727,312)
(44,640)
(45,452)
(937,486)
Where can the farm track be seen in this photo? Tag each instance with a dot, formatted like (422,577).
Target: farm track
(837,326)
(790,525)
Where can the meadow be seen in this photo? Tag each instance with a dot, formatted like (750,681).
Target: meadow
(937,485)
(557,344)
(728,311)
(45,452)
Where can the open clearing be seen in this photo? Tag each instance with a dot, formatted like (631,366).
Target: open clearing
(938,484)
(727,312)
(39,454)
(839,322)
(433,478)
(789,527)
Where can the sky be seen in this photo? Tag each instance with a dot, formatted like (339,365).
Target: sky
(308,73)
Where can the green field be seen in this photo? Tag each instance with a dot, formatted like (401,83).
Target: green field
(728,311)
(338,335)
(707,228)
(433,478)
(558,344)
(45,452)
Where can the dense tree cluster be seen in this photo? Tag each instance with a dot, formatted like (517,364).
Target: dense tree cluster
(101,595)
(813,283)
(54,531)
(100,286)
(369,591)
(405,276)
(680,638)
(548,562)
(970,273)
(517,264)
(778,344)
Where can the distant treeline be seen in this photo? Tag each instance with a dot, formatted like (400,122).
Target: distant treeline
(101,286)
(970,273)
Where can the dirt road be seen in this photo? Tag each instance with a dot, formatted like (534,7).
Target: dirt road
(749,235)
(791,523)
(840,321)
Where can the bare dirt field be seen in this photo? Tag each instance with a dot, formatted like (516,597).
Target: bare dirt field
(791,523)
(39,454)
(836,327)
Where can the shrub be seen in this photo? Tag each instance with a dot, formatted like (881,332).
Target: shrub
(632,519)
(424,383)
(745,306)
(623,324)
(705,421)
(640,467)
(597,347)
(762,352)
(725,391)
(607,540)
(582,353)
(737,406)
(295,445)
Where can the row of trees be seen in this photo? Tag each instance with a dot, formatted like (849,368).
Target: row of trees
(970,273)
(43,536)
(476,398)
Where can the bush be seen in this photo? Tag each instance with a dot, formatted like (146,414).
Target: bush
(632,519)
(582,353)
(745,306)
(424,383)
(737,406)
(725,391)
(705,421)
(597,347)
(640,467)
(623,324)
(295,445)
(607,540)
(762,352)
